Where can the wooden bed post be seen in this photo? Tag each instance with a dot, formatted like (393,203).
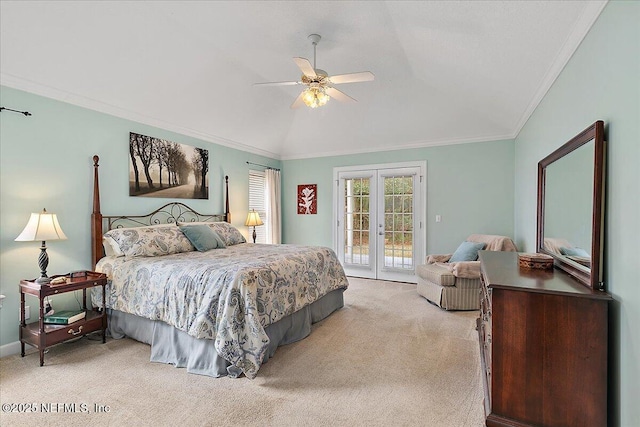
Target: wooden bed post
(96,219)
(227,214)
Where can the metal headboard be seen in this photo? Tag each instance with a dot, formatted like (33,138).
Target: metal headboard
(170,213)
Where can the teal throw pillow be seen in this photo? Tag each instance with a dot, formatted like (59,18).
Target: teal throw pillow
(467,251)
(202,237)
(574,252)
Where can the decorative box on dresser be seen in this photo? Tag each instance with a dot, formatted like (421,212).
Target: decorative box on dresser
(543,346)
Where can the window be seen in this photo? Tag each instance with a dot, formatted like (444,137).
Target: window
(257,202)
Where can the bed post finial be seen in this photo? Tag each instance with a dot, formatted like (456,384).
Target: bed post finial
(96,187)
(227,214)
(96,219)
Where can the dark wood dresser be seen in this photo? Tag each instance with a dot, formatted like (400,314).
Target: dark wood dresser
(543,346)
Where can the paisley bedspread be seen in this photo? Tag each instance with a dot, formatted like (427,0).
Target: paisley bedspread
(228,295)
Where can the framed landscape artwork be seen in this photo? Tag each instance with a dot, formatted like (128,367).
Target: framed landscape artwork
(308,199)
(161,168)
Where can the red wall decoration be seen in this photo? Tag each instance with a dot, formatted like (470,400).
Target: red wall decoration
(307,199)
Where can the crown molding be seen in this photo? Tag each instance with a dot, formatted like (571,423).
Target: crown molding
(409,146)
(101,107)
(582,26)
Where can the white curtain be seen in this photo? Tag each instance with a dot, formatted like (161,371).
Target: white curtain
(272,202)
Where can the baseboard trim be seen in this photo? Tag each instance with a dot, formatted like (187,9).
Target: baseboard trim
(10,349)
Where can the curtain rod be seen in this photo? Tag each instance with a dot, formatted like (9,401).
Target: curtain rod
(26,113)
(264,166)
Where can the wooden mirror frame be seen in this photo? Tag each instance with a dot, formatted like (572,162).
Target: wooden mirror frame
(592,277)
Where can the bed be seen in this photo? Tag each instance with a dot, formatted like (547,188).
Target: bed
(218,310)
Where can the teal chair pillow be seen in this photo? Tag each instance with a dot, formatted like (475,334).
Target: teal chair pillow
(202,237)
(467,251)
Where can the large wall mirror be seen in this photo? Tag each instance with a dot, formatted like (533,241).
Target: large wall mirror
(570,206)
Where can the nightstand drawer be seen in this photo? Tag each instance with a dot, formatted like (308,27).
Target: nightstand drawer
(60,333)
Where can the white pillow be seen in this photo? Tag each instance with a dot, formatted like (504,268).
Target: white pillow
(110,246)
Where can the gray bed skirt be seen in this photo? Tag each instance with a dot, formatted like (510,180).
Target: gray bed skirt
(199,356)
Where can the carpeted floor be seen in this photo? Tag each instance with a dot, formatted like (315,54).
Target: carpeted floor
(388,358)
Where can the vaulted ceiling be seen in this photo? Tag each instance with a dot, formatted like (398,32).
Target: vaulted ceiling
(445,72)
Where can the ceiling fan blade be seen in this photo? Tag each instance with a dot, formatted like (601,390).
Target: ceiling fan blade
(340,96)
(277,84)
(298,102)
(364,76)
(305,66)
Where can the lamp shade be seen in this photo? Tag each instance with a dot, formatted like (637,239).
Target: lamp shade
(42,226)
(253,219)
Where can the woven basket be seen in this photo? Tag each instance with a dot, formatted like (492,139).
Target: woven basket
(535,261)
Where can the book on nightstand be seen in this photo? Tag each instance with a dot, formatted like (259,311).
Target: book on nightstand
(65,317)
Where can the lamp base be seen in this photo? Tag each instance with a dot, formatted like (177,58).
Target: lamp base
(43,263)
(43,280)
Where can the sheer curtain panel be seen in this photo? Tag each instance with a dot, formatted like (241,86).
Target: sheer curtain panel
(273,225)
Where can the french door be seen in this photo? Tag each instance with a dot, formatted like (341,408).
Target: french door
(379,220)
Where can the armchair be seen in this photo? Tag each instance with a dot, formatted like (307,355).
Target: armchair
(456,285)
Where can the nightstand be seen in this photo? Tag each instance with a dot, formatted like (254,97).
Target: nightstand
(41,335)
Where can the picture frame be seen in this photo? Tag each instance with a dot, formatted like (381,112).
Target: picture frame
(167,169)
(307,199)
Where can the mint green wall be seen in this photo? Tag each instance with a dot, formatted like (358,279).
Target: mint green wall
(45,162)
(601,81)
(470,185)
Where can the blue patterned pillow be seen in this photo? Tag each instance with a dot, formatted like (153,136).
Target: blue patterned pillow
(202,237)
(228,233)
(467,251)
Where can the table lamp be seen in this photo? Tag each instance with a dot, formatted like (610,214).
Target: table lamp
(253,219)
(42,226)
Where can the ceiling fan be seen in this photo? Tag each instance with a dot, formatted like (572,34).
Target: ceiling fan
(319,85)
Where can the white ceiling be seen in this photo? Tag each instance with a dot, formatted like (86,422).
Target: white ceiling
(446,72)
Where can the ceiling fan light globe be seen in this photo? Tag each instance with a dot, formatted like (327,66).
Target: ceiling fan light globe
(314,97)
(322,98)
(308,97)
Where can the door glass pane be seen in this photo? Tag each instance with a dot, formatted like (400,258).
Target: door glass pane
(398,222)
(356,221)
